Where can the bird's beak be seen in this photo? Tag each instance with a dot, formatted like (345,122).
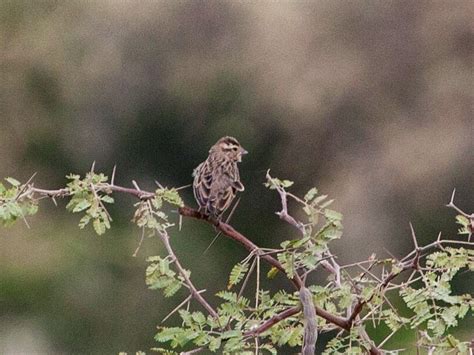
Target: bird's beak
(243,152)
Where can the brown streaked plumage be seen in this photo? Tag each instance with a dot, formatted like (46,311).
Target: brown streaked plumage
(217,179)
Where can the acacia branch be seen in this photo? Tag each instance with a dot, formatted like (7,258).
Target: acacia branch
(225,228)
(410,261)
(333,267)
(230,232)
(143,195)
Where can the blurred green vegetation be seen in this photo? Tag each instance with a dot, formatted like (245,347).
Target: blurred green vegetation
(369,101)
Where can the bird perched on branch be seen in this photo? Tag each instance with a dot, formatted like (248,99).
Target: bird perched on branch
(217,179)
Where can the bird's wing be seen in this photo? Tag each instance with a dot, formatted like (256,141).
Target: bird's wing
(223,203)
(202,183)
(234,175)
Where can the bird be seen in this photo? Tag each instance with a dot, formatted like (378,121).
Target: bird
(217,179)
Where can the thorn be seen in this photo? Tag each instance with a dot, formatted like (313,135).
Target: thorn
(158,184)
(182,187)
(136,185)
(414,236)
(210,245)
(180,223)
(439,237)
(92,167)
(31,178)
(452,198)
(112,180)
(26,222)
(267,175)
(54,201)
(226,221)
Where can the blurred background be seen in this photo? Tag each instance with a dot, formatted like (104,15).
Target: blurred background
(369,101)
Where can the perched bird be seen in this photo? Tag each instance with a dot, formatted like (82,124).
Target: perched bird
(217,179)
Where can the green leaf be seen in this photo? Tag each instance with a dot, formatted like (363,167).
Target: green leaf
(172,197)
(172,289)
(437,326)
(288,262)
(332,215)
(237,274)
(227,296)
(13,182)
(296,336)
(81,205)
(107,199)
(272,272)
(84,221)
(286,183)
(99,226)
(319,199)
(199,318)
(214,344)
(311,194)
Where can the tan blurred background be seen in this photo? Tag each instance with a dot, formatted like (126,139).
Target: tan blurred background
(370,101)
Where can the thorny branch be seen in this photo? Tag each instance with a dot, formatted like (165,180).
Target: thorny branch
(332,266)
(409,262)
(225,228)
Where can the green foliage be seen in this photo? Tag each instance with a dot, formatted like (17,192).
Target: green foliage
(275,183)
(466,224)
(321,227)
(434,302)
(169,195)
(15,202)
(160,276)
(88,195)
(149,212)
(349,343)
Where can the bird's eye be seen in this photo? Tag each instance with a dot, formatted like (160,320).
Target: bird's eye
(234,149)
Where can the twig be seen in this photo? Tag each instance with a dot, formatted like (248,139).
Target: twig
(246,280)
(165,239)
(187,299)
(139,243)
(283,214)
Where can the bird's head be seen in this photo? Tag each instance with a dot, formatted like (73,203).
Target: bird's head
(230,147)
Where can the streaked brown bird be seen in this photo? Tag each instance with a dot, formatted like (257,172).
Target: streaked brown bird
(217,179)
